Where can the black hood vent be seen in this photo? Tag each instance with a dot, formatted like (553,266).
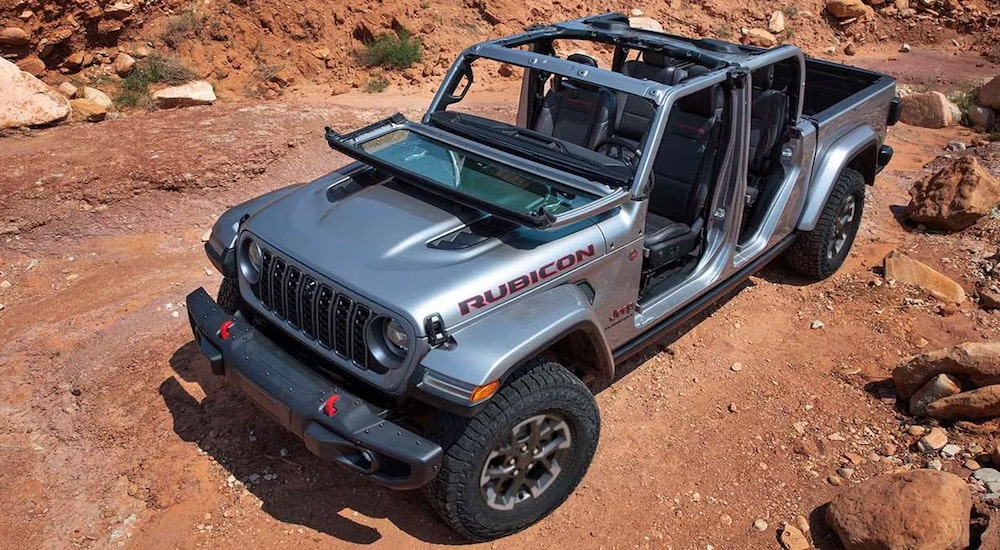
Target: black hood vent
(476,232)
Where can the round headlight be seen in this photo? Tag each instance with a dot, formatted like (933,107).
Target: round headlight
(252,261)
(396,337)
(255,255)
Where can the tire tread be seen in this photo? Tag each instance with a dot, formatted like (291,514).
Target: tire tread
(469,435)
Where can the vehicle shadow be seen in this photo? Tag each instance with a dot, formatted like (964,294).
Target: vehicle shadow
(663,343)
(777,272)
(306,490)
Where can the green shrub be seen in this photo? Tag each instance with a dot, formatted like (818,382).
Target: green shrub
(965,97)
(376,85)
(152,70)
(399,50)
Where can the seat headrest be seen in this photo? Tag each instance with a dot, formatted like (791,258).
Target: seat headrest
(697,70)
(654,58)
(583,59)
(671,75)
(763,78)
(703,103)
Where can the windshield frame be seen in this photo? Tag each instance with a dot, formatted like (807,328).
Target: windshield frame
(607,197)
(662,95)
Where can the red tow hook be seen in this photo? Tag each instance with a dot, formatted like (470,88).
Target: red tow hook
(328,407)
(224,329)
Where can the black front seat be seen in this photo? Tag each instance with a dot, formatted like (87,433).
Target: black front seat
(575,111)
(682,177)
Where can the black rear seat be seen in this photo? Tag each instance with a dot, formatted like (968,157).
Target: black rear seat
(768,116)
(575,111)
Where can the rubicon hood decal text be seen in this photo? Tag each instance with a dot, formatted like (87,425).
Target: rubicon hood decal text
(526,280)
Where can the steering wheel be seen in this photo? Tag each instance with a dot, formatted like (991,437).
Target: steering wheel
(619,149)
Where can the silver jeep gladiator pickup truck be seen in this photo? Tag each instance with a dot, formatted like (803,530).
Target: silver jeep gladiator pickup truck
(429,316)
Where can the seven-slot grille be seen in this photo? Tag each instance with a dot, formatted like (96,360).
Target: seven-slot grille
(336,321)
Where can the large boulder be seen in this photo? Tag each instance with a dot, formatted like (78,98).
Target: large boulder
(989,94)
(921,509)
(929,110)
(977,363)
(902,268)
(970,405)
(198,92)
(956,197)
(27,101)
(843,9)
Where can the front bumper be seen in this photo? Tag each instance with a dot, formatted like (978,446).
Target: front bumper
(356,434)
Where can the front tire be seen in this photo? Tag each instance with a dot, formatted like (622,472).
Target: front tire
(520,457)
(229,298)
(819,253)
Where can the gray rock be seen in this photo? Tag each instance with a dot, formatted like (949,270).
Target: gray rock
(941,386)
(986,475)
(950,451)
(982,118)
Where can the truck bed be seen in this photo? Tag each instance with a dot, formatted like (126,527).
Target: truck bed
(828,85)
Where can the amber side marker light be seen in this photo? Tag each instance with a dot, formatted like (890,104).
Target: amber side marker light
(484,391)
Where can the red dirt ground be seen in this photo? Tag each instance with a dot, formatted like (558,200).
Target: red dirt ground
(113,432)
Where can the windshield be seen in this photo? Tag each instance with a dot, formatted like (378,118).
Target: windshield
(473,175)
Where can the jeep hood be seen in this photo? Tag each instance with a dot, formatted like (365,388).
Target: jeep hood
(409,250)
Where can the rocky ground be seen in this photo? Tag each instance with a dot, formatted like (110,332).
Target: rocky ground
(266,48)
(113,432)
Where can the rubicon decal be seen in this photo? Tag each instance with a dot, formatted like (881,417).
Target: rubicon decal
(522,282)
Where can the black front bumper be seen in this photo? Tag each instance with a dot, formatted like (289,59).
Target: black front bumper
(356,435)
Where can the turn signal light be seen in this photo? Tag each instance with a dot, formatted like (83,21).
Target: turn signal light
(482,392)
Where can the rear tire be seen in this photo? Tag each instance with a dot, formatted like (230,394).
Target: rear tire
(229,298)
(492,482)
(819,253)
